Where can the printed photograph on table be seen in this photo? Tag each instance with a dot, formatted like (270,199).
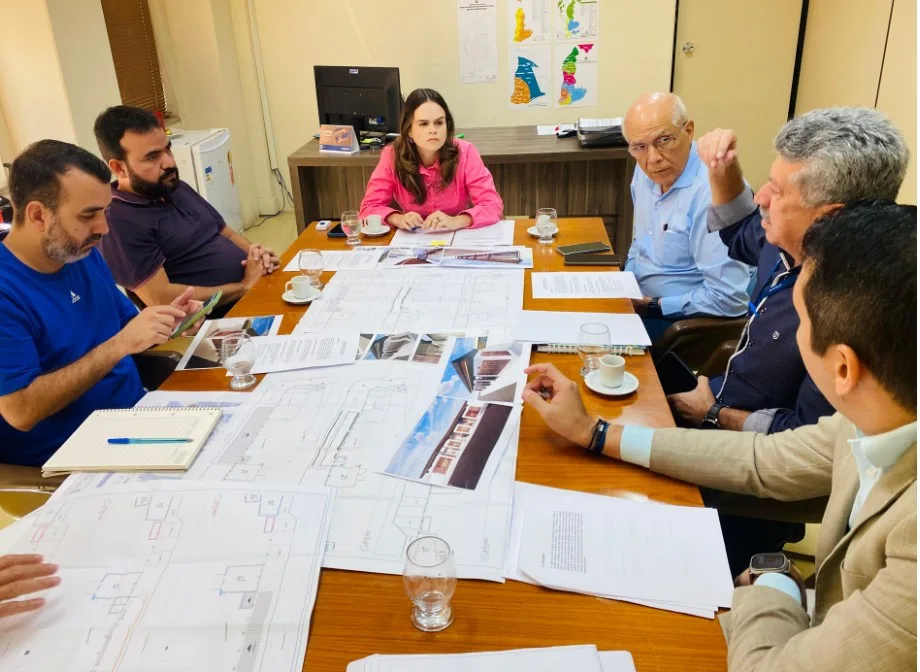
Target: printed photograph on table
(204,352)
(481,372)
(576,74)
(399,257)
(458,257)
(530,76)
(576,19)
(399,347)
(456,443)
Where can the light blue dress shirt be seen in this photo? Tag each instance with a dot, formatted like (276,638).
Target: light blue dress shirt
(673,254)
(874,455)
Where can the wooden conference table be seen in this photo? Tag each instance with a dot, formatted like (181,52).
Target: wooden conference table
(358,614)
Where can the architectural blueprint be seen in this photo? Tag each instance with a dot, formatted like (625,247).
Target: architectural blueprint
(176,576)
(338,427)
(392,301)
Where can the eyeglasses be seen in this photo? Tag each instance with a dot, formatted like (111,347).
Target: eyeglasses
(663,144)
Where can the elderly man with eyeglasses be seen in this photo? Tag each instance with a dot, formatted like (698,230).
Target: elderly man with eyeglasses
(681,267)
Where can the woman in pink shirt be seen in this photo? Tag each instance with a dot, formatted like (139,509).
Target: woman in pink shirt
(439,182)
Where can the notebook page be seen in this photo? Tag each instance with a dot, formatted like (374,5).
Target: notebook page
(88,448)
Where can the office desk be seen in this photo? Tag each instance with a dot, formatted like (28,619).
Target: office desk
(358,614)
(530,172)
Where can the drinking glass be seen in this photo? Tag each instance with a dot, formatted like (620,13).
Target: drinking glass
(430,580)
(311,265)
(593,343)
(351,226)
(546,225)
(238,354)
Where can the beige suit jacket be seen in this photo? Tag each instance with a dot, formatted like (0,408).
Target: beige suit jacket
(866,585)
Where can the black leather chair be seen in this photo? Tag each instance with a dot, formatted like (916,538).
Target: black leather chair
(696,339)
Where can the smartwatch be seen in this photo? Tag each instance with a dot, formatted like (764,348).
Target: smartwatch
(654,308)
(711,421)
(769,563)
(775,563)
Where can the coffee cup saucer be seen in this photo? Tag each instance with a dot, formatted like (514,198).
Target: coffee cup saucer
(629,385)
(289,297)
(375,233)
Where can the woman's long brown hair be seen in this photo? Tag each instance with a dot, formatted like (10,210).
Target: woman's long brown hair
(405,153)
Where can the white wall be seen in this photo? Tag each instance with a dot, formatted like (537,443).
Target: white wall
(56,72)
(420,38)
(203,44)
(32,92)
(897,95)
(86,63)
(852,57)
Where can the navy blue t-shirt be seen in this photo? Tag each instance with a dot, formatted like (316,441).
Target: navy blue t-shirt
(48,321)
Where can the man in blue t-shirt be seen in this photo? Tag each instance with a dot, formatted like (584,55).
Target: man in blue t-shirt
(66,332)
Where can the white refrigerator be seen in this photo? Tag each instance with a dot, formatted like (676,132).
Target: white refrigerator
(205,162)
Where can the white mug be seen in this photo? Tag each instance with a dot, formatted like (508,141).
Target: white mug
(300,287)
(613,369)
(373,223)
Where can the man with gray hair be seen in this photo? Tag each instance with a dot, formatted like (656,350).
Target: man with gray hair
(825,158)
(681,267)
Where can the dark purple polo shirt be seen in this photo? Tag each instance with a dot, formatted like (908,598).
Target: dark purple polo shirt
(181,234)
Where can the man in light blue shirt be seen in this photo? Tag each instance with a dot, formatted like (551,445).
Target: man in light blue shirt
(858,339)
(681,267)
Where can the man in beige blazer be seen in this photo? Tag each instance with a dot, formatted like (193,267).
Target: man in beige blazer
(857,301)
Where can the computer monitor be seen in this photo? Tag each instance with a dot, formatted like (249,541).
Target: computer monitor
(368,99)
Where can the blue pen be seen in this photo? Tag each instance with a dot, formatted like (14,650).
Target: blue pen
(126,441)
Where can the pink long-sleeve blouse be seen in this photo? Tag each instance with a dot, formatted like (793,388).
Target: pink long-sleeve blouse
(472,191)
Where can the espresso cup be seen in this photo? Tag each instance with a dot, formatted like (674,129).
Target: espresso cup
(613,369)
(300,287)
(373,223)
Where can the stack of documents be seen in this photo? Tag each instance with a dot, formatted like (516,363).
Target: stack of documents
(500,233)
(539,326)
(581,658)
(666,557)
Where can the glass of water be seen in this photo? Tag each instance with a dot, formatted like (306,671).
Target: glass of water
(311,265)
(593,343)
(430,580)
(351,226)
(546,225)
(238,354)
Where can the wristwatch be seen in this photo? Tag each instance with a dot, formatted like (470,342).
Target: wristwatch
(712,416)
(775,563)
(654,308)
(769,563)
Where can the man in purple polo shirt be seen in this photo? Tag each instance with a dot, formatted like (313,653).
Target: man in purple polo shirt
(163,236)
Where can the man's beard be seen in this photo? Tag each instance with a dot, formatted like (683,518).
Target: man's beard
(157,189)
(63,248)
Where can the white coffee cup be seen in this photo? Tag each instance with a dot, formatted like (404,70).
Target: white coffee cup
(613,369)
(373,223)
(300,287)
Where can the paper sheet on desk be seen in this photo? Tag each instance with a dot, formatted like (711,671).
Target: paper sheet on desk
(538,326)
(500,233)
(523,494)
(615,547)
(356,259)
(179,575)
(304,350)
(587,285)
(585,658)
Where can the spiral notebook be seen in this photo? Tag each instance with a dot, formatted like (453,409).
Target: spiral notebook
(88,448)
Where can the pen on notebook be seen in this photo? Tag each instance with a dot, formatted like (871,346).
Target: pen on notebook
(123,441)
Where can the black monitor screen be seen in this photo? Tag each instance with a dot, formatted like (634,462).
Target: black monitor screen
(369,99)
